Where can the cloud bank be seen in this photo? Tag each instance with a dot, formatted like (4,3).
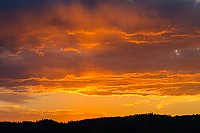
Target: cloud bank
(99,48)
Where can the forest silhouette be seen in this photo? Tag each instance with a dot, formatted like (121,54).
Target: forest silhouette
(139,123)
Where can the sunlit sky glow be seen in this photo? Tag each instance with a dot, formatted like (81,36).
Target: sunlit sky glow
(76,59)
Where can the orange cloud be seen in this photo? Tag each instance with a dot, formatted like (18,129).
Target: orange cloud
(61,29)
(163,83)
(71,49)
(28,114)
(178,99)
(9,106)
(137,103)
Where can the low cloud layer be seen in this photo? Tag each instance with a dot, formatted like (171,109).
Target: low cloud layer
(163,83)
(18,114)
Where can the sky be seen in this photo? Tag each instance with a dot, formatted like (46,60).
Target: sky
(78,59)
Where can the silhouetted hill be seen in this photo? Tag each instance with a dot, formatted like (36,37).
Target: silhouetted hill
(136,123)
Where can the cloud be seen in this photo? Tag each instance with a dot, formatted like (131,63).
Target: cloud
(9,106)
(99,48)
(49,26)
(14,98)
(28,114)
(136,103)
(160,83)
(197,1)
(177,100)
(191,53)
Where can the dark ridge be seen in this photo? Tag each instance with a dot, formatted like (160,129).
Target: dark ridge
(142,123)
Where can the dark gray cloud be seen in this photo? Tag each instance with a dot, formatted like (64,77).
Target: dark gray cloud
(14,98)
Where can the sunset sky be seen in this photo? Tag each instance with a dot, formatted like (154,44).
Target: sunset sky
(76,59)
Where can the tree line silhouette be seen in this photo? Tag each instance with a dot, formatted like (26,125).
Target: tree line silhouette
(138,123)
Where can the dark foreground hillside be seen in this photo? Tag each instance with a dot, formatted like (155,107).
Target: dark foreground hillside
(136,123)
